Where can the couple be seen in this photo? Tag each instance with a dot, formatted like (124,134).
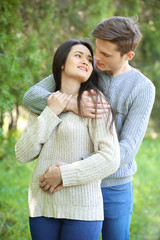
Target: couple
(65,199)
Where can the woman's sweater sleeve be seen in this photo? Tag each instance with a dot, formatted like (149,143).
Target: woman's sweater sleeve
(104,161)
(35,135)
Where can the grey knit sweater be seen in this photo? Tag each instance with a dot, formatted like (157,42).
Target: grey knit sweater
(132,96)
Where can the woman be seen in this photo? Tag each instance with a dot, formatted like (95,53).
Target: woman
(76,211)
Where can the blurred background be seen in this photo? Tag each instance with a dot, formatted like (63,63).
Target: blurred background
(30,32)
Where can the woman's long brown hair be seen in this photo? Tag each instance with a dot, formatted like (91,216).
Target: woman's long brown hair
(92,83)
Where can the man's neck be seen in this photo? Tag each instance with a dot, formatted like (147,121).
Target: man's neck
(124,69)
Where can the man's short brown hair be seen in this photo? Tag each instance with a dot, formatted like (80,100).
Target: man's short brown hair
(123,31)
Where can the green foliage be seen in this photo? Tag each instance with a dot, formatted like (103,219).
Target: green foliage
(13,195)
(20,56)
(146,217)
(149,56)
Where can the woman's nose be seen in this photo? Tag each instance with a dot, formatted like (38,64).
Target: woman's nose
(85,61)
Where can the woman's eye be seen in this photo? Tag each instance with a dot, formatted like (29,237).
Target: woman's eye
(78,55)
(90,60)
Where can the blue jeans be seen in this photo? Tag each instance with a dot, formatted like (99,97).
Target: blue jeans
(118,208)
(43,228)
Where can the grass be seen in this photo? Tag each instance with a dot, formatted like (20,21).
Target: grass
(146,218)
(14,180)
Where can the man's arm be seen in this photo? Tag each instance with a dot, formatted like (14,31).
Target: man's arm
(136,123)
(35,99)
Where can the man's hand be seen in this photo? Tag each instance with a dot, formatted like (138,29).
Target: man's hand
(51,180)
(88,105)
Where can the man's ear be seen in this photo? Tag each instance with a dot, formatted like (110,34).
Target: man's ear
(130,55)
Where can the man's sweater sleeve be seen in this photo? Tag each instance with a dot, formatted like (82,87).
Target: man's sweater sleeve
(35,135)
(134,128)
(35,99)
(104,161)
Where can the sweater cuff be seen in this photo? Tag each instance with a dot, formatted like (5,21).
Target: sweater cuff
(47,121)
(69,175)
(52,119)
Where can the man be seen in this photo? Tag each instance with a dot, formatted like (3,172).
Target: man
(131,95)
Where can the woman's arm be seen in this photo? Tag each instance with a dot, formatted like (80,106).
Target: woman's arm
(105,160)
(40,128)
(35,135)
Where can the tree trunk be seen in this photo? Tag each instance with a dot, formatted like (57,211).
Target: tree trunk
(1,120)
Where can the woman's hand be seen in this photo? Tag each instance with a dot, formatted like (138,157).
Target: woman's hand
(57,102)
(51,179)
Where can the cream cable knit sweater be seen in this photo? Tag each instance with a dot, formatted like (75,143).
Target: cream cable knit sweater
(67,138)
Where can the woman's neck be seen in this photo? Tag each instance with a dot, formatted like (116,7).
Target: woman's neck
(70,87)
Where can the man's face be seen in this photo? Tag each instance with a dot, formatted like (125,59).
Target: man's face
(108,58)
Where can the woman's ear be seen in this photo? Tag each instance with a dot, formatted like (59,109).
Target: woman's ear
(130,55)
(62,67)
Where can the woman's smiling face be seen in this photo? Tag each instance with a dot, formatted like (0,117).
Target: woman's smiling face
(79,63)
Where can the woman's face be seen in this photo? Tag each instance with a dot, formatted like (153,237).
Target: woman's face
(79,64)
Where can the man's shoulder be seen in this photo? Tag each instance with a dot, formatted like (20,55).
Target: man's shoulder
(49,77)
(141,83)
(140,78)
(133,80)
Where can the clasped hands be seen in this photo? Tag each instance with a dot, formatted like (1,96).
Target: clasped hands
(58,102)
(51,181)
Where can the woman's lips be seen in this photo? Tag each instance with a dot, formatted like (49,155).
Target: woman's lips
(83,68)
